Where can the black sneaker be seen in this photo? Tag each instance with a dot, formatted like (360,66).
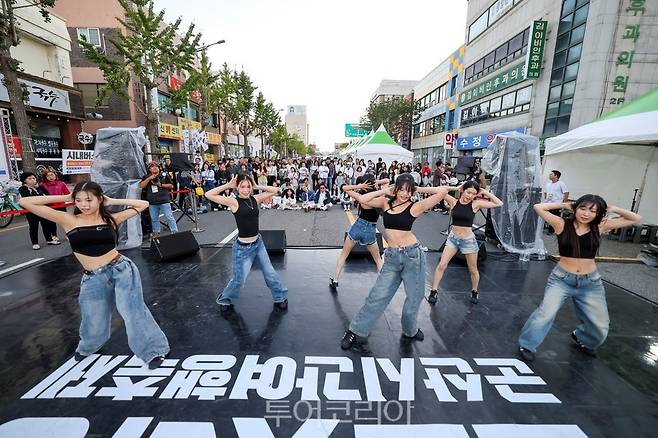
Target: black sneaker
(333,284)
(434,296)
(156,362)
(526,355)
(349,338)
(588,351)
(419,336)
(78,357)
(282,305)
(474,297)
(225,307)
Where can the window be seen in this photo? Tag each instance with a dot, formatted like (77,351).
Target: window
(508,101)
(577,34)
(451,120)
(501,53)
(505,53)
(497,9)
(571,71)
(478,26)
(562,42)
(489,61)
(551,110)
(568,89)
(477,68)
(511,103)
(516,43)
(443,92)
(574,53)
(494,105)
(91,35)
(453,86)
(90,93)
(523,95)
(580,16)
(565,107)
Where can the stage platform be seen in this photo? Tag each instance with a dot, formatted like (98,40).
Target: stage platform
(261,372)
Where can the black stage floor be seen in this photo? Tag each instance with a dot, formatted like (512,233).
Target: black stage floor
(263,373)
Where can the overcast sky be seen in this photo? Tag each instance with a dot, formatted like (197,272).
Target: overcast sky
(327,55)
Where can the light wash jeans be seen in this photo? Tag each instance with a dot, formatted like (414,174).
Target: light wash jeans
(118,284)
(405,265)
(588,296)
(243,256)
(155,210)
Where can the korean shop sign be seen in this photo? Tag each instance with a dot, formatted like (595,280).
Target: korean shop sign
(40,96)
(535,53)
(503,80)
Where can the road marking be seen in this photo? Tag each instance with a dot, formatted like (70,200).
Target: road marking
(22,265)
(351,219)
(14,228)
(228,238)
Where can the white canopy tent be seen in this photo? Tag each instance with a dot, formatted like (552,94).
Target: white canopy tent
(612,157)
(379,145)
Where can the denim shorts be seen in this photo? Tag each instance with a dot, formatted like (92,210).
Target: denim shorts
(363,232)
(468,245)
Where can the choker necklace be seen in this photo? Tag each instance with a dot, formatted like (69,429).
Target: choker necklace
(250,205)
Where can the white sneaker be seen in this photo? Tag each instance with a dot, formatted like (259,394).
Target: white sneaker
(36,246)
(54,242)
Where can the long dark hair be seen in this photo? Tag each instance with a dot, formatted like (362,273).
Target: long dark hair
(569,235)
(471,185)
(403,182)
(244,176)
(96,190)
(365,178)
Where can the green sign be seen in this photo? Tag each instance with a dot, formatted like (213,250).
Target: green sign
(355,130)
(503,80)
(536,49)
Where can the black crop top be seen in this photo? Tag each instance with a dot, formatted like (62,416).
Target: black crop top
(369,214)
(92,240)
(399,221)
(588,246)
(463,214)
(246,217)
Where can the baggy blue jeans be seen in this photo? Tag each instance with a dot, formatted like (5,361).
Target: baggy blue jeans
(243,256)
(401,265)
(588,296)
(155,210)
(118,284)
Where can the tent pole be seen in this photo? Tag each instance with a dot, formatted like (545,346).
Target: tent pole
(644,179)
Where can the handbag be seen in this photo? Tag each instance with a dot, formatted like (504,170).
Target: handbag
(199,191)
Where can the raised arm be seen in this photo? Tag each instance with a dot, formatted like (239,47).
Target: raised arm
(436,195)
(39,206)
(269,192)
(544,211)
(226,201)
(376,199)
(492,202)
(146,182)
(134,207)
(626,219)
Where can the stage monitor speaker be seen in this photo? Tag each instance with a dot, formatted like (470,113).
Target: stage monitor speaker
(274,240)
(361,250)
(174,246)
(482,252)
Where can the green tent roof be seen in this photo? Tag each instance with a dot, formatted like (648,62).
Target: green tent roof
(381,137)
(643,104)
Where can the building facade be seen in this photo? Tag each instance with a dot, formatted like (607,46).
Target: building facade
(54,107)
(297,123)
(544,67)
(392,88)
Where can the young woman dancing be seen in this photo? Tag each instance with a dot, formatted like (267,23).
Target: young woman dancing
(575,276)
(248,247)
(461,237)
(404,260)
(110,279)
(364,229)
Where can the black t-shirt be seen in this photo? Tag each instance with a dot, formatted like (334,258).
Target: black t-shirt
(157,195)
(222,177)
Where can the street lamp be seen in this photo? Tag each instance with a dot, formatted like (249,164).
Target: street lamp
(210,45)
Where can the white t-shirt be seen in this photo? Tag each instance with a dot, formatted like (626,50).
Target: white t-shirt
(323,172)
(555,191)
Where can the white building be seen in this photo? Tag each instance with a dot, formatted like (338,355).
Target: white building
(296,122)
(392,88)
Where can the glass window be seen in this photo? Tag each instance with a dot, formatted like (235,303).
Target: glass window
(577,34)
(568,7)
(581,2)
(560,59)
(565,24)
(442,92)
(565,106)
(453,86)
(549,126)
(562,42)
(516,43)
(478,26)
(468,73)
(91,35)
(508,100)
(556,76)
(433,97)
(451,119)
(552,109)
(574,53)
(554,94)
(571,71)
(501,52)
(526,37)
(489,60)
(494,105)
(581,15)
(568,89)
(484,108)
(477,68)
(563,124)
(523,95)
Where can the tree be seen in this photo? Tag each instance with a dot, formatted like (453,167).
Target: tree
(221,97)
(266,118)
(397,116)
(203,81)
(9,67)
(243,103)
(150,50)
(279,139)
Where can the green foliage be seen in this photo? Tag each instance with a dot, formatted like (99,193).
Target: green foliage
(397,116)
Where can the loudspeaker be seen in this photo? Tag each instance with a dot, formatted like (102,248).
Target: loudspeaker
(274,240)
(363,250)
(180,161)
(482,252)
(174,246)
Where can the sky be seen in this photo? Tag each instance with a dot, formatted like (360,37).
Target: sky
(327,55)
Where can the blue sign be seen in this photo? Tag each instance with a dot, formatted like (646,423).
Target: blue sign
(483,141)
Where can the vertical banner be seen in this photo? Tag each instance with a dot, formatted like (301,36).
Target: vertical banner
(535,53)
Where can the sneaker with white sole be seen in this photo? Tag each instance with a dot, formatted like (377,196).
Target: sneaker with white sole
(36,246)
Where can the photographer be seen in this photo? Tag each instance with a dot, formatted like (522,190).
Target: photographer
(157,185)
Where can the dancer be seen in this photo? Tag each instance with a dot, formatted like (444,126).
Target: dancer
(110,279)
(461,237)
(363,230)
(576,275)
(404,260)
(248,247)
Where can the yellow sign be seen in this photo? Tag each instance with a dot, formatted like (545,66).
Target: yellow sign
(210,158)
(188,124)
(214,138)
(169,131)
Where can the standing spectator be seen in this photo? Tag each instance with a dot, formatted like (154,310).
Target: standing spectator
(323,174)
(271,173)
(314,174)
(425,173)
(348,170)
(158,185)
(208,178)
(29,188)
(52,185)
(437,176)
(332,174)
(555,192)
